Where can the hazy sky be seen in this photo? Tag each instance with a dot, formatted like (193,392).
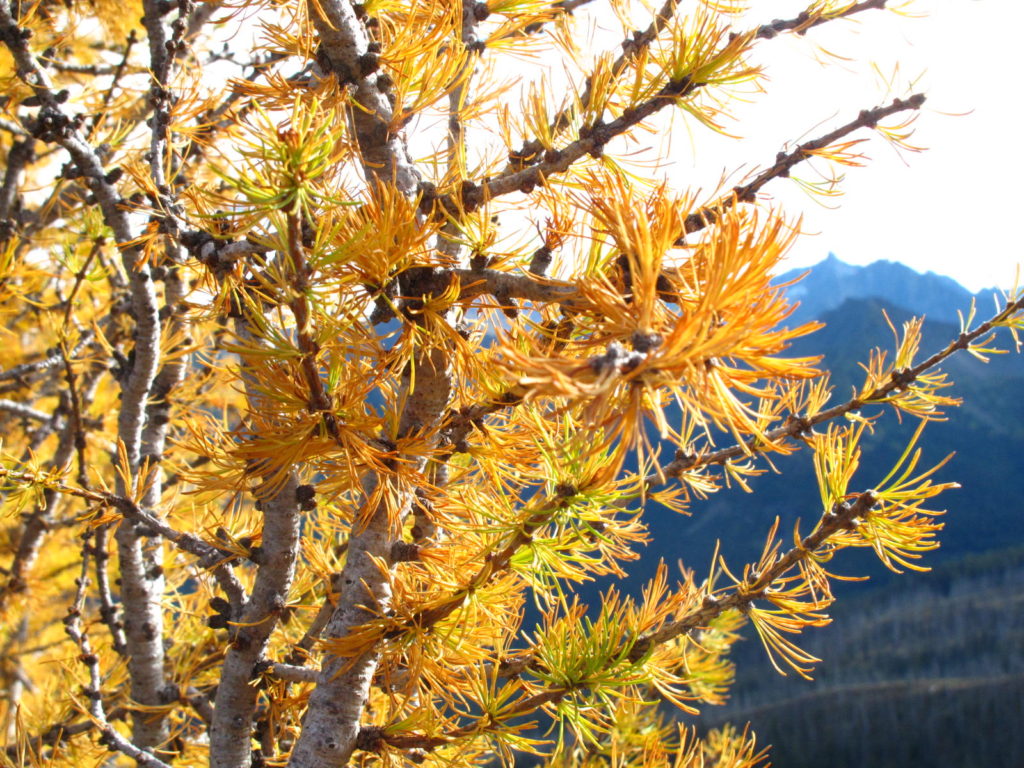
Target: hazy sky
(953,209)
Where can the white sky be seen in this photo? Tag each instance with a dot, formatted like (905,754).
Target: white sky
(952,209)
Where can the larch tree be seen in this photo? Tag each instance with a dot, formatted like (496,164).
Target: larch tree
(334,340)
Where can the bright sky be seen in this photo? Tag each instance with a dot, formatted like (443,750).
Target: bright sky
(952,209)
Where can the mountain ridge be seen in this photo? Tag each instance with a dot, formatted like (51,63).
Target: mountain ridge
(830,282)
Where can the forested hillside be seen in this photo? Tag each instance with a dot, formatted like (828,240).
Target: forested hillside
(923,674)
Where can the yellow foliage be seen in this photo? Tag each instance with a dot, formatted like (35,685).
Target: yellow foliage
(338,340)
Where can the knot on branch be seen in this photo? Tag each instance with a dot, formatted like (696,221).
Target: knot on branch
(14,36)
(798,425)
(428,197)
(914,102)
(222,613)
(369,63)
(780,161)
(506,303)
(370,738)
(685,459)
(404,552)
(305,495)
(420,284)
(200,245)
(566,490)
(903,378)
(470,196)
(745,194)
(616,360)
(644,342)
(639,650)
(52,125)
(478,262)
(527,155)
(540,261)
(678,87)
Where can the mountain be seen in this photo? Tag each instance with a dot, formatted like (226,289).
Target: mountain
(917,669)
(832,282)
(986,433)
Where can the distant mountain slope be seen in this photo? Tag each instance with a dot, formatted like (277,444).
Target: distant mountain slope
(986,434)
(918,669)
(929,672)
(832,282)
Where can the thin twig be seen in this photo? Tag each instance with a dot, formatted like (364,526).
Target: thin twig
(786,161)
(23,411)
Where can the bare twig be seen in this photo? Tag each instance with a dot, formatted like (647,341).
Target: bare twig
(22,411)
(26,370)
(804,21)
(786,161)
(118,71)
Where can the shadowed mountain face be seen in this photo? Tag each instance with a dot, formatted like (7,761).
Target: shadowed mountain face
(986,432)
(917,670)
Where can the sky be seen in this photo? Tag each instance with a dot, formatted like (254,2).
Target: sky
(952,209)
